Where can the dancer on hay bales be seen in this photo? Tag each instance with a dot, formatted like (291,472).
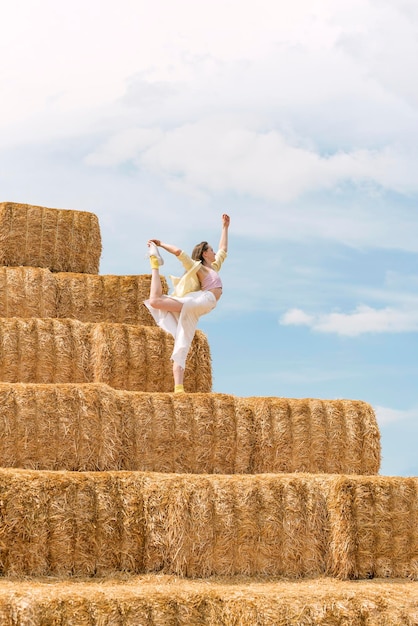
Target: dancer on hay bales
(195,294)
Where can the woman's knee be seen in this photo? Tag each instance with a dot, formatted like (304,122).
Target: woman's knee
(156,302)
(165,303)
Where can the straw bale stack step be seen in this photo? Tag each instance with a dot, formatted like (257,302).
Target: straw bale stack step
(37,292)
(60,239)
(105,298)
(95,427)
(28,292)
(293,525)
(154,600)
(122,355)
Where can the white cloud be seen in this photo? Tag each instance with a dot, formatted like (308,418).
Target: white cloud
(386,44)
(295,69)
(82,52)
(222,154)
(203,110)
(364,319)
(296,317)
(387,415)
(124,146)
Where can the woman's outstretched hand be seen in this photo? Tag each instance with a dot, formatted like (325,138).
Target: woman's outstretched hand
(225,220)
(165,246)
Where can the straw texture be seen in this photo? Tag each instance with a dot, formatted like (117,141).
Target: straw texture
(374,523)
(61,240)
(105,298)
(312,435)
(155,600)
(97,523)
(44,350)
(95,427)
(27,292)
(121,355)
(37,292)
(65,524)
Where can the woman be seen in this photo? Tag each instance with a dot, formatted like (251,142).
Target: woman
(195,294)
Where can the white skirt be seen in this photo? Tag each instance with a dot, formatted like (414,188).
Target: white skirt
(183,325)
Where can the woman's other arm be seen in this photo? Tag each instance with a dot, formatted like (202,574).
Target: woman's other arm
(167,246)
(223,243)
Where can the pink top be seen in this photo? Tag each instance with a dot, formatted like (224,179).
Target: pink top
(211,280)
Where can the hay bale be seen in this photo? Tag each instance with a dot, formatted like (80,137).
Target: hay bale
(154,600)
(95,427)
(38,292)
(105,298)
(137,358)
(27,292)
(374,523)
(58,239)
(63,523)
(61,426)
(44,351)
(293,525)
(312,435)
(121,355)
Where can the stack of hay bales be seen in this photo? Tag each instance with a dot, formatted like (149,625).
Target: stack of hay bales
(124,504)
(62,322)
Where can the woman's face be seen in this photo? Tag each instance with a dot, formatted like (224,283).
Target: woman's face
(209,255)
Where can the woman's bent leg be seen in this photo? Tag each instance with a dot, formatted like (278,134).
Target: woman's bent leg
(156,289)
(157,299)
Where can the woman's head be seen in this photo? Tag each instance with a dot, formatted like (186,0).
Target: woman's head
(198,250)
(203,252)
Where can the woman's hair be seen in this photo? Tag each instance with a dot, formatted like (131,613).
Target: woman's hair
(198,250)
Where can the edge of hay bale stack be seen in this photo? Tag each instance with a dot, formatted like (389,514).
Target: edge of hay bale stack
(374,523)
(63,240)
(124,356)
(159,599)
(105,297)
(37,292)
(96,523)
(93,427)
(293,525)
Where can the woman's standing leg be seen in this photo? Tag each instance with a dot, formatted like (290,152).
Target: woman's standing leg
(159,301)
(178,374)
(198,304)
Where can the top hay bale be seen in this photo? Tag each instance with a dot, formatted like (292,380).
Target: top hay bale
(59,239)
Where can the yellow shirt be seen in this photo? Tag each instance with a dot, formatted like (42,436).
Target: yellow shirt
(189,281)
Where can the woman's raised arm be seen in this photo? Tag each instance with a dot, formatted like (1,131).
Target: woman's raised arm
(223,243)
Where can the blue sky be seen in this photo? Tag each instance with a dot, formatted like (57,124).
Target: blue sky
(298,119)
